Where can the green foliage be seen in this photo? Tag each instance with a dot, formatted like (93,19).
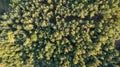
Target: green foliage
(61,33)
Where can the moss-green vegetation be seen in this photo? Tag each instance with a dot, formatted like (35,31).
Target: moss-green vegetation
(61,33)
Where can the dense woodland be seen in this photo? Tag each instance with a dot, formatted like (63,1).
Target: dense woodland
(60,33)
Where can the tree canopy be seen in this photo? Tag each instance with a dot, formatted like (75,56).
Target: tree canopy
(60,33)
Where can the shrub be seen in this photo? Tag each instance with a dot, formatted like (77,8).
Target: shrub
(61,33)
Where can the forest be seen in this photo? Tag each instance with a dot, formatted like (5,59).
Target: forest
(59,33)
